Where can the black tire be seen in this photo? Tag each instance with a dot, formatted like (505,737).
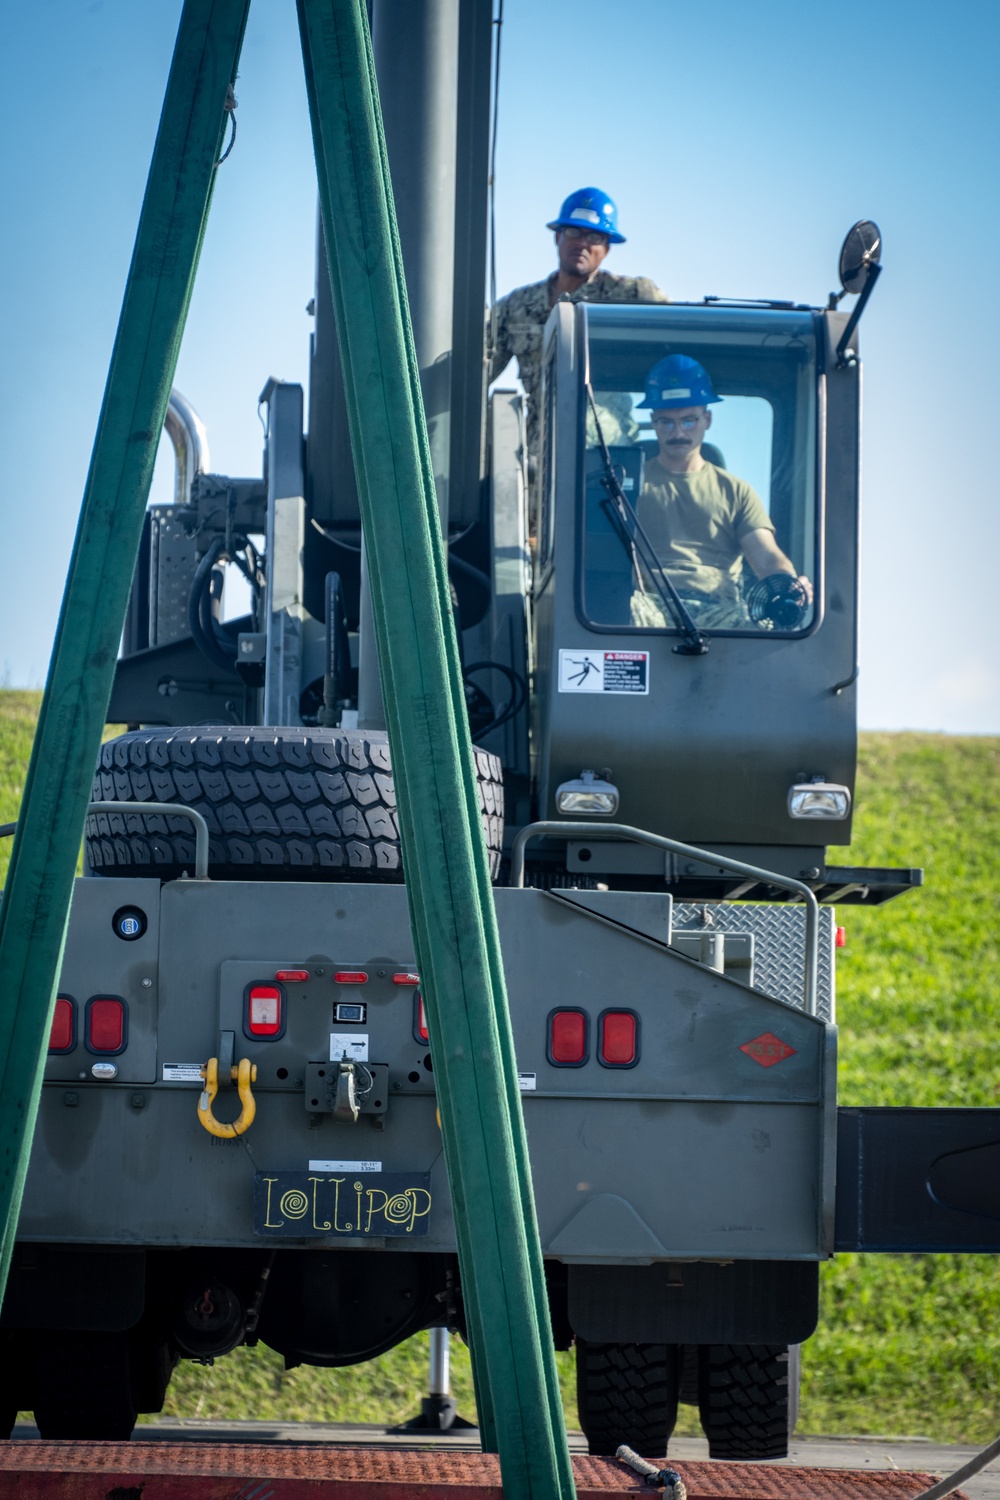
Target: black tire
(84,1388)
(12,1380)
(687,1393)
(627,1393)
(153,1364)
(746,1400)
(294,804)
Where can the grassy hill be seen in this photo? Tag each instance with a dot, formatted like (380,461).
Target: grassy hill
(906,1344)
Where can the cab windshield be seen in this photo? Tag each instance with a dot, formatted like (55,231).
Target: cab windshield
(706,420)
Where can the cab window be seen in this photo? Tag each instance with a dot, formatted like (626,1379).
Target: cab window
(707,420)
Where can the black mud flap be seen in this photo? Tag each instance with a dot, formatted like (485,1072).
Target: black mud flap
(695,1302)
(95,1288)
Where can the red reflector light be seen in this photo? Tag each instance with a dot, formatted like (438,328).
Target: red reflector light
(265,1012)
(408,978)
(292,976)
(105,1024)
(619,1032)
(420,1019)
(841,938)
(62,1037)
(568,1038)
(350,976)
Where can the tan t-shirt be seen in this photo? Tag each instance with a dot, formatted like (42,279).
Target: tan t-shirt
(696,522)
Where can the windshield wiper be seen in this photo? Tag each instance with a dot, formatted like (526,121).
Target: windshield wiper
(638,546)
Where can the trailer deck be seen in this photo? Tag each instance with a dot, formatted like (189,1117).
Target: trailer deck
(294,1471)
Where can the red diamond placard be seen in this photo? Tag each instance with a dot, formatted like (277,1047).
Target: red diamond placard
(767,1049)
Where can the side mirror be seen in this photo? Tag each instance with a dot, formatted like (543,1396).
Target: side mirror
(860,268)
(859,254)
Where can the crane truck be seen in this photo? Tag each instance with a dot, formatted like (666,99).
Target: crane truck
(237,1138)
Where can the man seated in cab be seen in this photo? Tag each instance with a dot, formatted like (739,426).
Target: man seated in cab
(701,520)
(585,230)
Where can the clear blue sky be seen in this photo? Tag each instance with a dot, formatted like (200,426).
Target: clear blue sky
(741,141)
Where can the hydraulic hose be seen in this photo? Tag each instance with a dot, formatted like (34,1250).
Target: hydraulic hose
(518,692)
(200,621)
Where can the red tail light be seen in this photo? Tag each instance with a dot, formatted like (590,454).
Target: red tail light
(420,1031)
(264,1011)
(62,1037)
(619,1038)
(568,1038)
(106,1024)
(407,977)
(292,976)
(350,976)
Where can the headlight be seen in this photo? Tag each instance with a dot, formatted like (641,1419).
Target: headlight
(588,794)
(819,799)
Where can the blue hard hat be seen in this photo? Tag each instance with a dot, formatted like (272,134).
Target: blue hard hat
(678,381)
(589,208)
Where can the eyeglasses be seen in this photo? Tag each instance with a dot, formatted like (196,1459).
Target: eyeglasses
(686,424)
(588,236)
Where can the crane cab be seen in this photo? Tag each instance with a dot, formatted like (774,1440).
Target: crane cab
(702,736)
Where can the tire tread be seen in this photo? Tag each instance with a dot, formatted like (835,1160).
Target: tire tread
(627,1393)
(743,1400)
(279,803)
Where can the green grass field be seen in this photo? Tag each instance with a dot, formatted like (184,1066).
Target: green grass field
(907,1345)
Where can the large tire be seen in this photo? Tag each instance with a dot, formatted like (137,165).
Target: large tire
(627,1393)
(294,804)
(13,1378)
(84,1386)
(748,1399)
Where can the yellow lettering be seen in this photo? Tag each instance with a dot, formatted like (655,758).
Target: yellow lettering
(267,1216)
(418,1213)
(326,1222)
(294,1204)
(371,1206)
(337,1227)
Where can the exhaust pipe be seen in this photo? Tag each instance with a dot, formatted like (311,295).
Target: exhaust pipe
(189,436)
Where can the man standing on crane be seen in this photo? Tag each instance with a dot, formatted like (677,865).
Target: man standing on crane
(585,230)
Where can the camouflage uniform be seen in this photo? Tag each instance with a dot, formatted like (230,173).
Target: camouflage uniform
(521,317)
(649,612)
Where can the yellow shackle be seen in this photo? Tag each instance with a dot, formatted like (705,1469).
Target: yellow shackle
(243,1076)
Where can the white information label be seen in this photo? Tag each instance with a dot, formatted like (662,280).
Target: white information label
(345,1166)
(527,1081)
(182,1073)
(604,671)
(350,1044)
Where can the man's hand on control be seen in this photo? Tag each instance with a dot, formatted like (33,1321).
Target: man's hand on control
(765,557)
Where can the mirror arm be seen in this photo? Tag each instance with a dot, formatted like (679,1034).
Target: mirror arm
(874,272)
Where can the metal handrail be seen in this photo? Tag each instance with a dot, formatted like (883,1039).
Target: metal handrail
(708,856)
(173,810)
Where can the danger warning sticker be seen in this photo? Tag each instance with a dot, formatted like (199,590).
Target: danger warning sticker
(604,671)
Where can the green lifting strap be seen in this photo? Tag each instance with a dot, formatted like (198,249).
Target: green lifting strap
(447,878)
(36,903)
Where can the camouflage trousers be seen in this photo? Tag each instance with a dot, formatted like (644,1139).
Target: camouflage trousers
(708,611)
